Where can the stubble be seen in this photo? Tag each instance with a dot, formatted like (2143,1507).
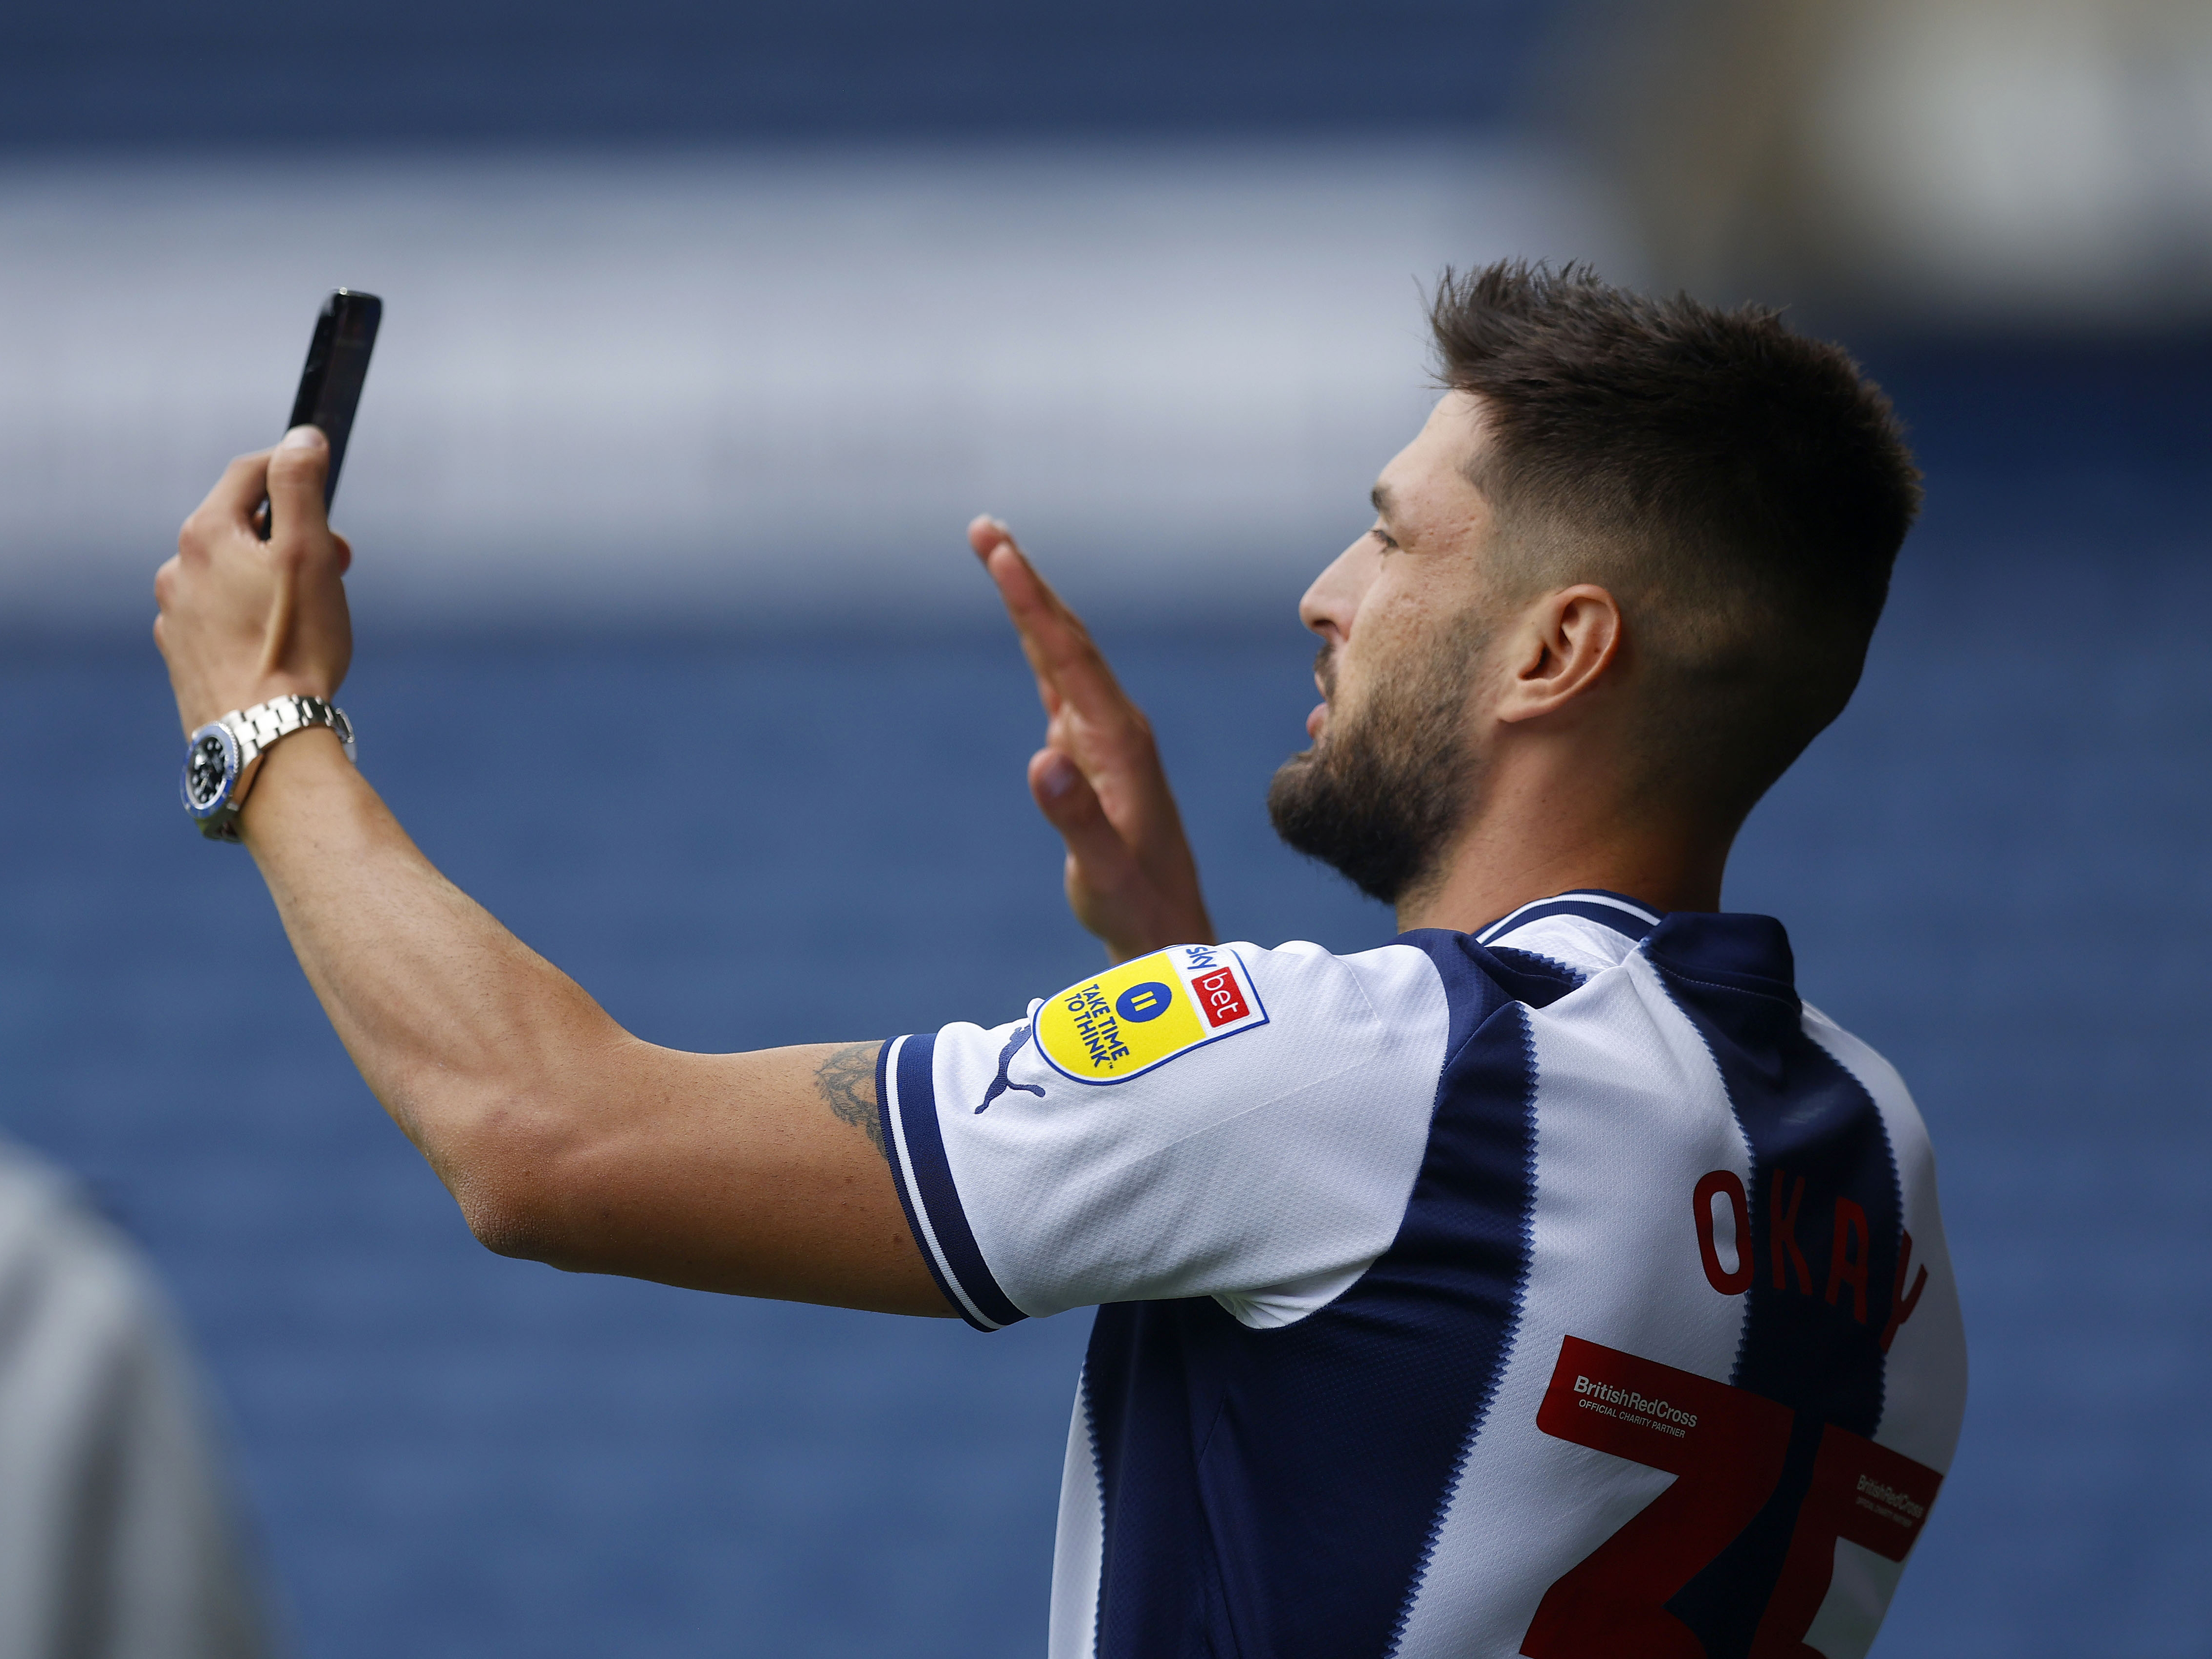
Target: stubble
(1379,796)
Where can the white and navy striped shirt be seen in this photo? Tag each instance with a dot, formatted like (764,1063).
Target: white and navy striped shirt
(1567,1289)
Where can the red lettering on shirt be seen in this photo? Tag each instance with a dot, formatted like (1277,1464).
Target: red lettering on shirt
(1842,1268)
(1219,995)
(1782,1227)
(1725,1447)
(1900,1304)
(1732,1281)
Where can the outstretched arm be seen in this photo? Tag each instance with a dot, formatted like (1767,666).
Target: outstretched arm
(1098,780)
(562,1137)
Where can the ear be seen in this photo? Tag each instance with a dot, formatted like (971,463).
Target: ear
(1560,648)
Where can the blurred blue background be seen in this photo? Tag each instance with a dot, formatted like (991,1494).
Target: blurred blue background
(707,328)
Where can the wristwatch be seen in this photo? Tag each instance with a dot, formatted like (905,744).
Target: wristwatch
(219,754)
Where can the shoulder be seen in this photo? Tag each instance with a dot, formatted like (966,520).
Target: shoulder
(87,1295)
(1885,1086)
(1854,1052)
(1478,979)
(1200,1121)
(1115,1026)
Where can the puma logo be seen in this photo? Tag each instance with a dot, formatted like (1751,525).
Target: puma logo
(1000,1083)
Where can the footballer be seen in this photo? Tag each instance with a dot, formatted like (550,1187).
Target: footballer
(1549,1279)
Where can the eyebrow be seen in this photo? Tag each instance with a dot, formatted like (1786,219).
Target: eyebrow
(1380,496)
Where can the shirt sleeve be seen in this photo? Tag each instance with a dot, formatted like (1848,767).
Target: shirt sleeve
(1215,1120)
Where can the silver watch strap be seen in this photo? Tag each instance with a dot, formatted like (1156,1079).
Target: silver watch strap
(257,727)
(254,731)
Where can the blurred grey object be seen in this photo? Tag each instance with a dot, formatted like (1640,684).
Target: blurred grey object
(2037,163)
(117,1536)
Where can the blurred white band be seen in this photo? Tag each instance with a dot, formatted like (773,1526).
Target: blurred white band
(734,385)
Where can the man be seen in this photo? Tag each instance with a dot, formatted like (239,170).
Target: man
(1550,1280)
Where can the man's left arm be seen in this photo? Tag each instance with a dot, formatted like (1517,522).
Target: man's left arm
(562,1136)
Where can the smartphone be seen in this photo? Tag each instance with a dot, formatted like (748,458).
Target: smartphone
(330,385)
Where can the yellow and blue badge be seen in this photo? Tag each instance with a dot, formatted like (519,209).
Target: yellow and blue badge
(1144,1013)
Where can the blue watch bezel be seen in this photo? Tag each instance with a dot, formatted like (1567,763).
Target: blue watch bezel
(228,738)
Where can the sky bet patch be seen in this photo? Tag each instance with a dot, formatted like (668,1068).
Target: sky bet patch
(1145,1012)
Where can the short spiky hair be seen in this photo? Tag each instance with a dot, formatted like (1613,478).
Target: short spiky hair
(1741,488)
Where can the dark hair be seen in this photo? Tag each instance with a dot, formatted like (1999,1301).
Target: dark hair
(1743,491)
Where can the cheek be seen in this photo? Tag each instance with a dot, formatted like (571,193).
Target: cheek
(1395,619)
(1413,643)
(1379,646)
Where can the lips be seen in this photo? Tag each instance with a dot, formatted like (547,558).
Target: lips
(1324,683)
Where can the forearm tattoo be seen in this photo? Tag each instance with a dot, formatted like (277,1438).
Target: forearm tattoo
(847,1079)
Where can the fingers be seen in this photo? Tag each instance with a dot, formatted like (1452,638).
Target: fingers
(299,530)
(1072,806)
(230,505)
(985,533)
(1069,664)
(242,619)
(1040,660)
(296,469)
(289,476)
(1098,781)
(1006,563)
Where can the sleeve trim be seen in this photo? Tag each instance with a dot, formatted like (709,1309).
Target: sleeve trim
(906,1090)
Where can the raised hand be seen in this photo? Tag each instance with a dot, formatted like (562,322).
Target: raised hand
(1131,879)
(243,620)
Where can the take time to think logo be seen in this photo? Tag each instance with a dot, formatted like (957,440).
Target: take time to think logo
(1144,1013)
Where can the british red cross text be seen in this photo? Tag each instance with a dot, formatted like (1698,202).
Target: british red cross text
(1725,1447)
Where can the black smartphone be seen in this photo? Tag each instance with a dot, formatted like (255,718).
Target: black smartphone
(330,385)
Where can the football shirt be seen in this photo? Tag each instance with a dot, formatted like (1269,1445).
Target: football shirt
(1570,1288)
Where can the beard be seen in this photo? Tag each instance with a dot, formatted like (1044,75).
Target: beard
(1378,797)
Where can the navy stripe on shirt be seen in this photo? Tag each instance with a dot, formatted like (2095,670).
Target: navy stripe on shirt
(1827,1216)
(1279,1491)
(916,1147)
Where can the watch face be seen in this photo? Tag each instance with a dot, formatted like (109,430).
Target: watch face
(210,768)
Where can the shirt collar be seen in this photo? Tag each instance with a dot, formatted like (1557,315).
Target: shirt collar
(1630,918)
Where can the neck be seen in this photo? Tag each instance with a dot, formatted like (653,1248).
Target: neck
(1548,836)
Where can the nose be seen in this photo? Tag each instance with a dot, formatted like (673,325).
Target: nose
(1332,601)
